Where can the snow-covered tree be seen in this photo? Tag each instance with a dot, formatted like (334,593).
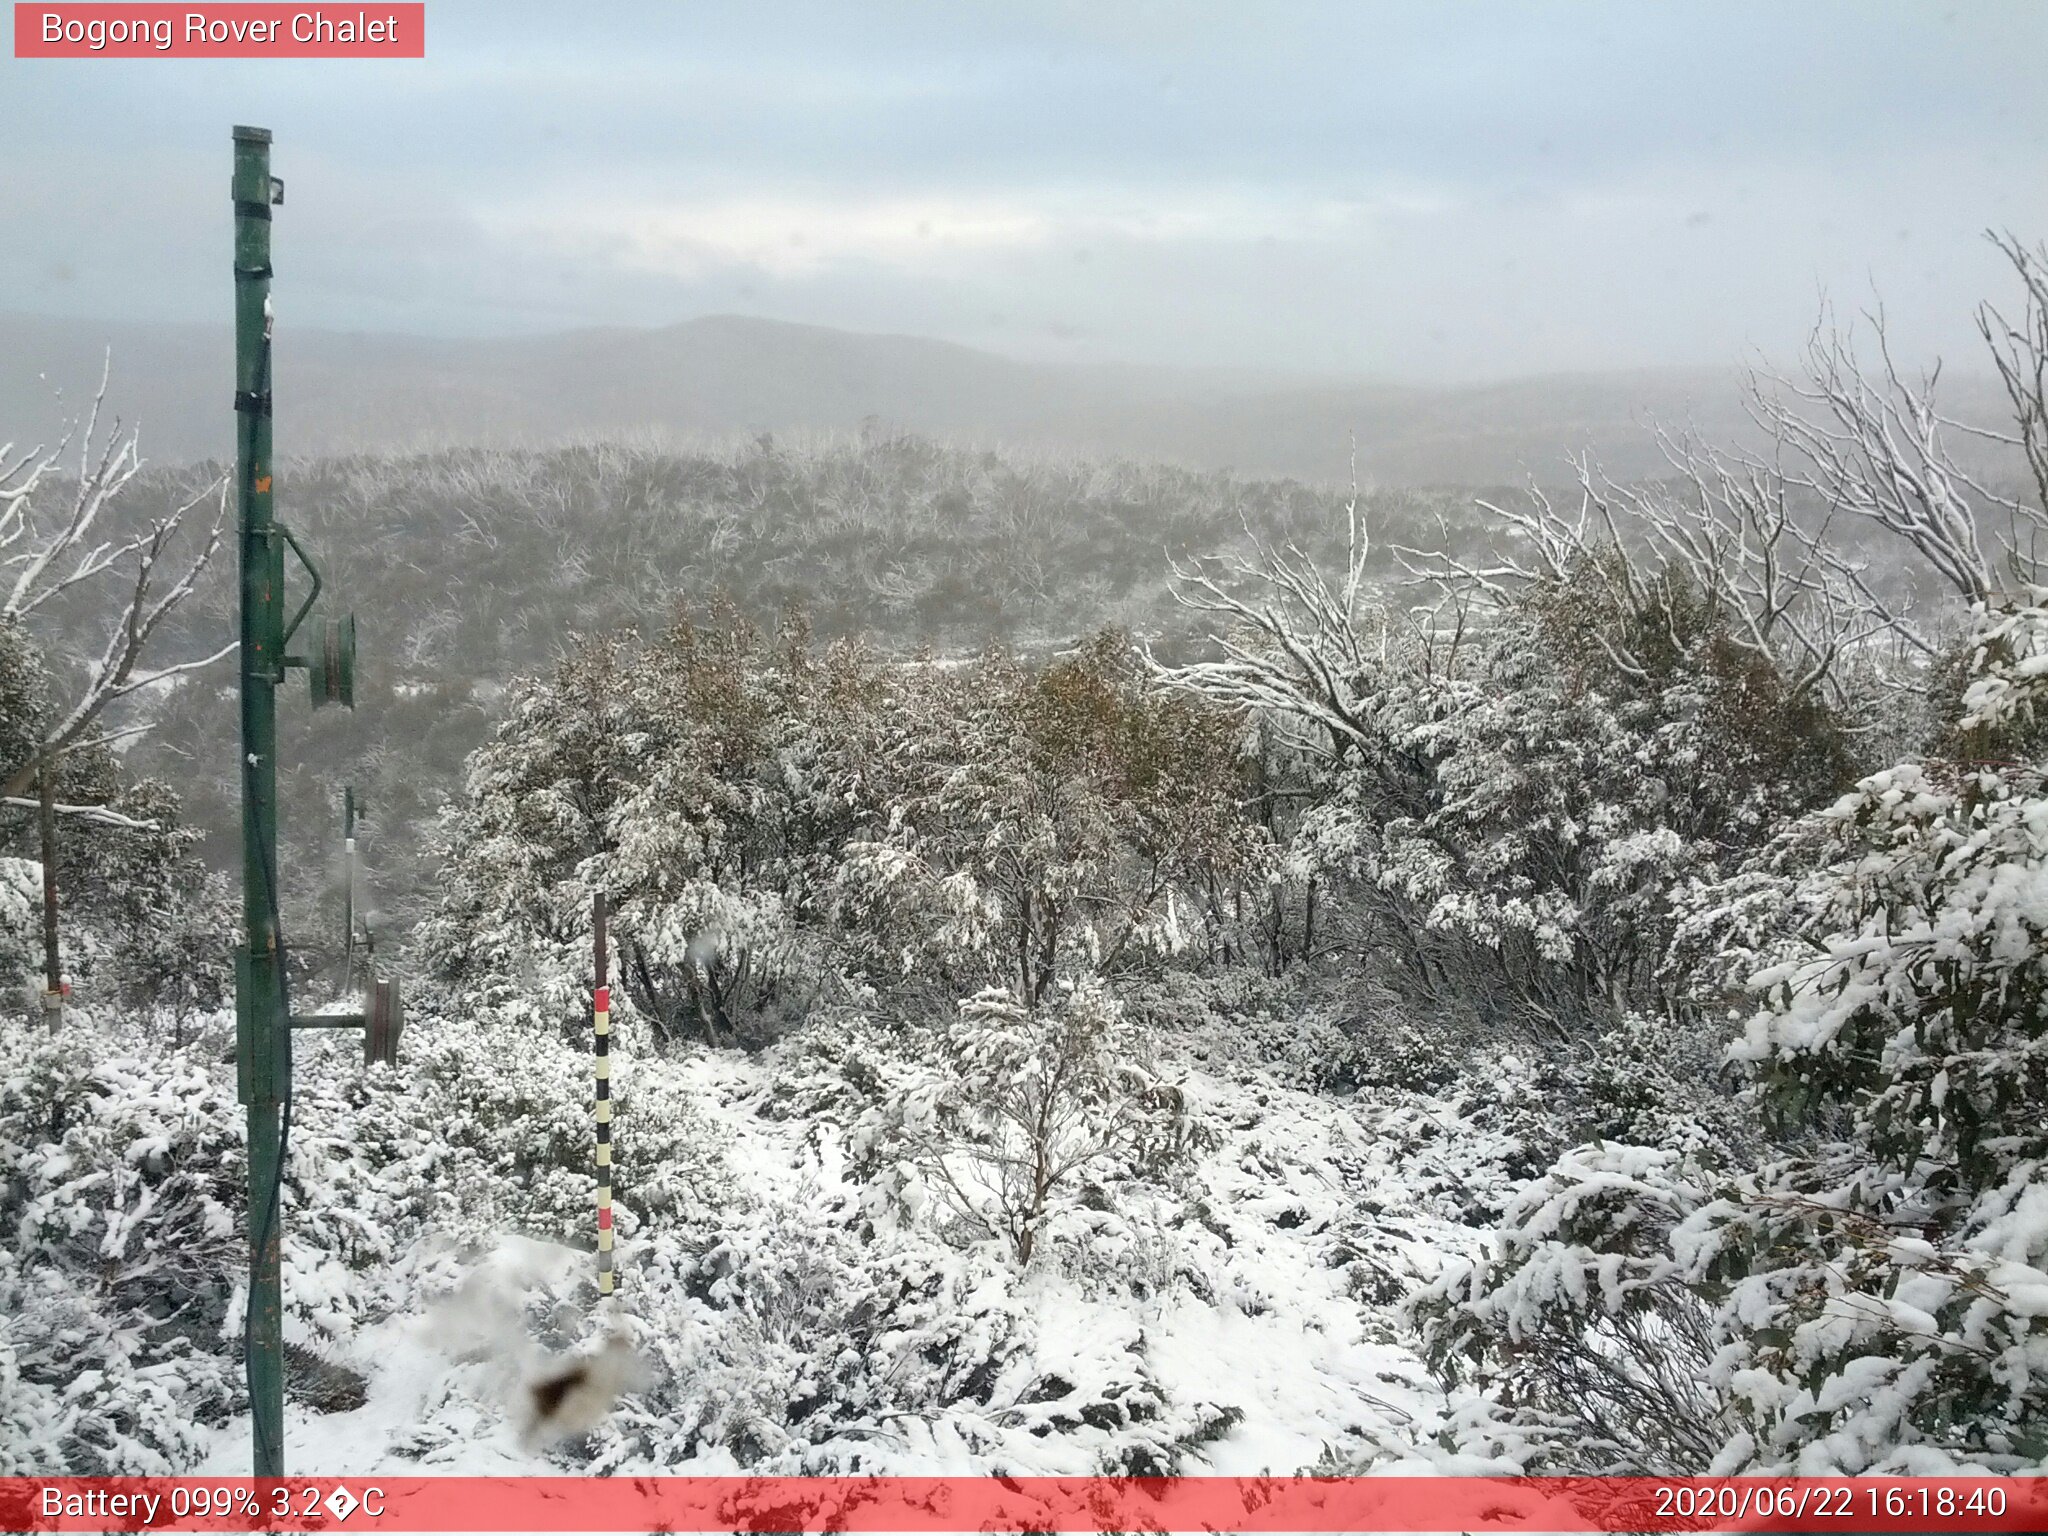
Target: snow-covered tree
(720,837)
(1910,1030)
(1511,806)
(1047,823)
(119,843)
(1870,1300)
(141,917)
(702,780)
(46,558)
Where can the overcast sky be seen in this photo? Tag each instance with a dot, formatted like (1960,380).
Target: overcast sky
(1414,191)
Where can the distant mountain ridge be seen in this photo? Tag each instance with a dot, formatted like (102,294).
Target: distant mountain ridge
(726,374)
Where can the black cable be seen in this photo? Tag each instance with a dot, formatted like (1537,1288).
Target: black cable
(269,1437)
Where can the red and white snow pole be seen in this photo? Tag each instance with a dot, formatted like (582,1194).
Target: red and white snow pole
(601,1014)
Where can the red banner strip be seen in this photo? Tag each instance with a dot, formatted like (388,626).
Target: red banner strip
(374,30)
(920,1504)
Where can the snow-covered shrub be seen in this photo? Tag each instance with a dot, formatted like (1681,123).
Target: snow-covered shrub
(803,1342)
(843,1063)
(21,907)
(1240,1026)
(177,956)
(1871,1301)
(1015,1110)
(1385,1048)
(120,1187)
(1330,1033)
(1556,812)
(123,1248)
(792,1333)
(1647,1081)
(778,826)
(1893,1280)
(1581,1325)
(1512,787)
(723,841)
(488,1128)
(25,702)
(484,1127)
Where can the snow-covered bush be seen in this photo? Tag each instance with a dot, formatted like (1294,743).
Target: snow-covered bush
(119,1197)
(1017,1112)
(843,1063)
(1322,1030)
(1580,1326)
(176,955)
(123,1187)
(21,911)
(791,1333)
(724,839)
(803,1342)
(774,823)
(1871,1302)
(1898,1322)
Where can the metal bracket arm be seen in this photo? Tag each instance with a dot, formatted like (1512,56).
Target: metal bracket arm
(330,1021)
(305,607)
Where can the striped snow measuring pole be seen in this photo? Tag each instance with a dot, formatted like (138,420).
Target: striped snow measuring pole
(601,1012)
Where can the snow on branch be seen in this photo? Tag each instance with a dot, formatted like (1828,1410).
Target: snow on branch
(1719,531)
(1294,645)
(1715,536)
(41,559)
(1875,444)
(2019,351)
(94,813)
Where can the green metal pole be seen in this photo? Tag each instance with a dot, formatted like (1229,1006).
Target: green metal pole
(263,1035)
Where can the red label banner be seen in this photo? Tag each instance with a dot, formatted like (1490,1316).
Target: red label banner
(1001,1504)
(216,31)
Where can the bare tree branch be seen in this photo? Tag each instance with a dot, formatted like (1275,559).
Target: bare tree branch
(39,563)
(93,813)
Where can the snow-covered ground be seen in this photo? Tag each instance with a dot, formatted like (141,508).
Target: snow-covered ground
(1253,1302)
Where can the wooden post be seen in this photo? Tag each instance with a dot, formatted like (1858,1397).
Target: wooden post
(53,969)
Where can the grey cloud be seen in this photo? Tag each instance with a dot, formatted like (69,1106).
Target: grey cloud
(1441,191)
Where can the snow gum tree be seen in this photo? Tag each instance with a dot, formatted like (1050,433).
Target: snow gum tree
(152,922)
(87,588)
(684,776)
(1049,823)
(53,557)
